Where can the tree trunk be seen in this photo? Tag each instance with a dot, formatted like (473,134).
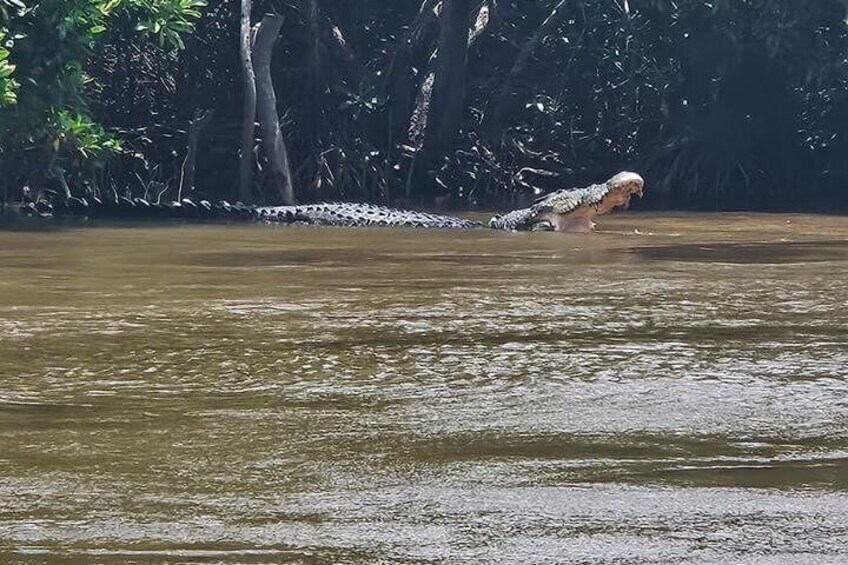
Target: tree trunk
(248,131)
(418,120)
(314,58)
(272,139)
(500,106)
(195,126)
(441,101)
(400,84)
(448,99)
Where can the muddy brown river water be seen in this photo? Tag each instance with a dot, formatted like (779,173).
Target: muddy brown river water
(673,389)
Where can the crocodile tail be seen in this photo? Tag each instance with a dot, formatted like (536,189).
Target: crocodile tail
(51,204)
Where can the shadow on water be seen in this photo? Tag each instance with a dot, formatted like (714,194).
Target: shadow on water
(12,222)
(749,253)
(353,256)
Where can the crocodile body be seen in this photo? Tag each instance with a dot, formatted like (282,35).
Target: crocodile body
(353,214)
(566,210)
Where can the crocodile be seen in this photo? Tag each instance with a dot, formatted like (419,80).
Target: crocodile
(573,210)
(565,210)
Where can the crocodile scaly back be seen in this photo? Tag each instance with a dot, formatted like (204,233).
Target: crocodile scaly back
(354,214)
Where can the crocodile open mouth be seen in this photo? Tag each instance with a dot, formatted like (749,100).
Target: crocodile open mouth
(623,187)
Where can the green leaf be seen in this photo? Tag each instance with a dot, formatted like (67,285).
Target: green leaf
(109,6)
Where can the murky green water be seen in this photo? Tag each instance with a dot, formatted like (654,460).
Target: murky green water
(673,390)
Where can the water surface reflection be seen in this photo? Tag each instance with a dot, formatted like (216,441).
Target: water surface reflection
(670,390)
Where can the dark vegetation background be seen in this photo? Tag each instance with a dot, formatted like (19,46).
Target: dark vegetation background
(726,104)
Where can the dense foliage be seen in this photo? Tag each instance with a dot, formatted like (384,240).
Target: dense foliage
(722,104)
(48,127)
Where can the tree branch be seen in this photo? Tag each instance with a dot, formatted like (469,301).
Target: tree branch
(500,105)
